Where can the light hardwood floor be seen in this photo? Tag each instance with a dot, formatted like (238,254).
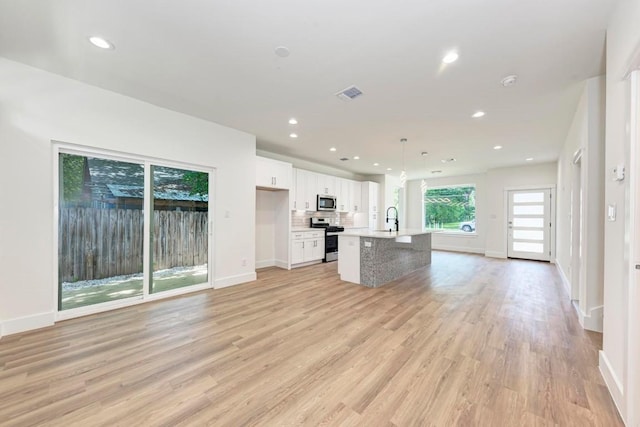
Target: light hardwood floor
(468,341)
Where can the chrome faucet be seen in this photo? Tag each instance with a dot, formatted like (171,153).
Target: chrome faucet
(396,217)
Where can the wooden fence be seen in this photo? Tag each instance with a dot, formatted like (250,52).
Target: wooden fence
(100,243)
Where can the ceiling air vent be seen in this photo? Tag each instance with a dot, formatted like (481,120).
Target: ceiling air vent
(344,159)
(349,93)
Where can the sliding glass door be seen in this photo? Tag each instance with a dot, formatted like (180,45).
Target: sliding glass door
(180,238)
(106,207)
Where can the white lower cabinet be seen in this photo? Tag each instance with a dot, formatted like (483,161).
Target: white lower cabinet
(306,246)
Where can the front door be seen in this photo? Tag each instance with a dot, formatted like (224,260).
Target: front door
(529,226)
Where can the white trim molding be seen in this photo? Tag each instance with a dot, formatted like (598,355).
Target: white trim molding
(27,323)
(453,248)
(592,320)
(495,254)
(563,277)
(265,263)
(613,383)
(224,282)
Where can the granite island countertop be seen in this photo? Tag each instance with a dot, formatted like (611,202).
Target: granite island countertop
(381,234)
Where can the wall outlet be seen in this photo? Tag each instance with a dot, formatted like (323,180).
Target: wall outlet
(244,262)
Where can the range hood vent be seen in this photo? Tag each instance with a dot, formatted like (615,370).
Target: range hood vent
(349,93)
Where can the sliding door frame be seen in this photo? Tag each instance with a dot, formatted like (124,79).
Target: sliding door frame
(59,147)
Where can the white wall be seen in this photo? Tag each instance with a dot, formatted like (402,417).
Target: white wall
(491,223)
(498,180)
(586,134)
(265,228)
(463,242)
(37,107)
(623,42)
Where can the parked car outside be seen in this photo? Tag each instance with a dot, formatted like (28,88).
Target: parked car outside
(468,226)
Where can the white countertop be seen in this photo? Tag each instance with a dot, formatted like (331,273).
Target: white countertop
(385,234)
(297,230)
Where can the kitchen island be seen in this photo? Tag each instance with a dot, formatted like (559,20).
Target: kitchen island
(373,258)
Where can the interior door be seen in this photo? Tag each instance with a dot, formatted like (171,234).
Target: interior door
(529,224)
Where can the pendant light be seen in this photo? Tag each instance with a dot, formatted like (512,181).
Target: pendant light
(403,174)
(423,183)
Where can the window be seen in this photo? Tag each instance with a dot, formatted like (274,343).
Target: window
(451,209)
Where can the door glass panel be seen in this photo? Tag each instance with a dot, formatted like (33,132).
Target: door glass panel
(179,237)
(528,234)
(528,222)
(528,197)
(528,210)
(100,230)
(528,247)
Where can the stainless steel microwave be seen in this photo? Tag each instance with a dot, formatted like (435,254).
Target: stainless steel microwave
(326,203)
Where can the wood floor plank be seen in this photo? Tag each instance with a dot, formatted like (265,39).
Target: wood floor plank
(465,341)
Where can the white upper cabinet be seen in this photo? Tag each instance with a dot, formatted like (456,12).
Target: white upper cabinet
(343,194)
(370,201)
(326,184)
(356,197)
(306,190)
(273,173)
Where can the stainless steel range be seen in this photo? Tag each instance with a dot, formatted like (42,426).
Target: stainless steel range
(330,237)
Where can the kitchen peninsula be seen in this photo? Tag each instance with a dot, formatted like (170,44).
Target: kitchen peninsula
(373,258)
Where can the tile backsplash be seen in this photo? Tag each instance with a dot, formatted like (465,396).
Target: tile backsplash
(300,219)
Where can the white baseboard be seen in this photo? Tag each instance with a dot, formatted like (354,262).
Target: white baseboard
(265,263)
(27,323)
(282,264)
(304,264)
(565,281)
(495,254)
(272,263)
(454,248)
(591,321)
(613,384)
(224,282)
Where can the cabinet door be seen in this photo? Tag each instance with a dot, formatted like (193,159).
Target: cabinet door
(326,184)
(297,251)
(305,190)
(311,189)
(374,188)
(264,177)
(356,197)
(344,195)
(272,173)
(307,247)
(318,249)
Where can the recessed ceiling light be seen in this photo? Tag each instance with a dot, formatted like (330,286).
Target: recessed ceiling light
(528,159)
(332,149)
(424,153)
(438,171)
(376,164)
(356,157)
(450,57)
(293,121)
(478,114)
(509,80)
(282,51)
(389,169)
(293,135)
(449,160)
(101,43)
(497,147)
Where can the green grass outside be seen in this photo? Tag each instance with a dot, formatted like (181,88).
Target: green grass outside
(126,289)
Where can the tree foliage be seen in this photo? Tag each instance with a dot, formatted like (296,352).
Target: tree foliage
(72,179)
(450,204)
(198,183)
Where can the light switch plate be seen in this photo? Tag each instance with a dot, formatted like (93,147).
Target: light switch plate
(611,212)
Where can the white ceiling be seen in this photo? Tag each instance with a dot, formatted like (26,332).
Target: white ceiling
(215,59)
